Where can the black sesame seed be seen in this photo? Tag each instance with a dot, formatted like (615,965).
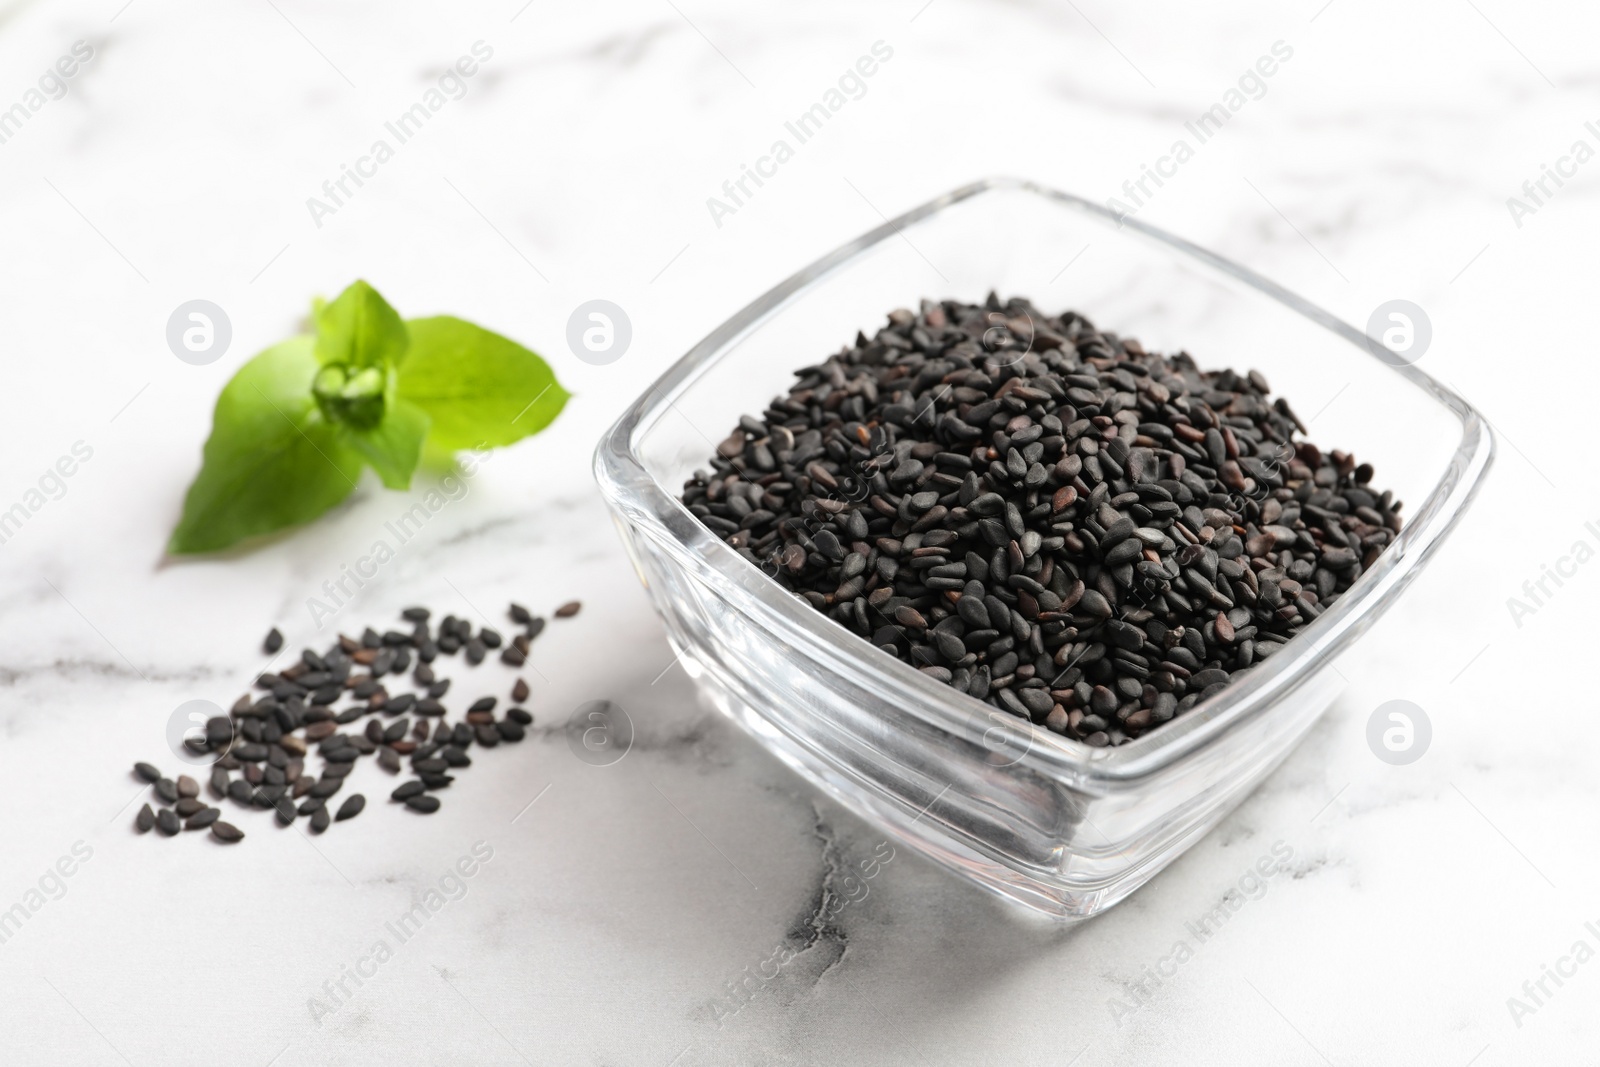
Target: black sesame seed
(1066,519)
(351,807)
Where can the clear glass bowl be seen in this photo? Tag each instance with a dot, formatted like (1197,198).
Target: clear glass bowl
(1064,829)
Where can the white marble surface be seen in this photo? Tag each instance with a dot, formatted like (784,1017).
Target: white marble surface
(616,912)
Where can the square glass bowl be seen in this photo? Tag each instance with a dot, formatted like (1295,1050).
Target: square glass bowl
(1049,823)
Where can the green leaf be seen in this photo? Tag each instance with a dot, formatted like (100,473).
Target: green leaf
(480,389)
(394,446)
(359,328)
(271,461)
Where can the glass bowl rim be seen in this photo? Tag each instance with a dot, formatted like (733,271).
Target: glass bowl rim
(629,486)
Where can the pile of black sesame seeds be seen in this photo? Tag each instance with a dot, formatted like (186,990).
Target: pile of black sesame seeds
(268,739)
(1046,516)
